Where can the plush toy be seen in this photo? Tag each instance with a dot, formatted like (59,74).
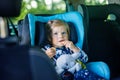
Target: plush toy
(68,62)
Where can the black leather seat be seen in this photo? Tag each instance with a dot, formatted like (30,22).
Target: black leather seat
(24,63)
(103,36)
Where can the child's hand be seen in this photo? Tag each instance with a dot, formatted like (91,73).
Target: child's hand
(51,52)
(71,46)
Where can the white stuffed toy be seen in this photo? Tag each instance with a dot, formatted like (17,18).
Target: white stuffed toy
(68,62)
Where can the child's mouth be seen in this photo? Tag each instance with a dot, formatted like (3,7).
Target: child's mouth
(61,40)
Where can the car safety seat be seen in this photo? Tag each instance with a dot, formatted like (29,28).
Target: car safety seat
(36,34)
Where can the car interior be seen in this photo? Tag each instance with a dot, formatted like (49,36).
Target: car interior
(35,24)
(96,31)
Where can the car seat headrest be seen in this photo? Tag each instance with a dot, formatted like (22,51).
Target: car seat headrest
(10,8)
(102,11)
(111,17)
(71,17)
(80,9)
(70,7)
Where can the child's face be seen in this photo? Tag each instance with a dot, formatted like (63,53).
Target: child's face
(59,35)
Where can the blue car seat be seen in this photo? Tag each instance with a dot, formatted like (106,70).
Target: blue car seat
(37,35)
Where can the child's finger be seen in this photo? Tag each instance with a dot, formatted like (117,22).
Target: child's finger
(65,43)
(51,52)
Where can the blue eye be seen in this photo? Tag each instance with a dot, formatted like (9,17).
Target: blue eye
(63,32)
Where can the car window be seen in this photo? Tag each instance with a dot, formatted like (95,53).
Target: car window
(48,7)
(40,7)
(44,6)
(96,2)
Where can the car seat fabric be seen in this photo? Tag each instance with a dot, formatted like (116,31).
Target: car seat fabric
(23,31)
(40,34)
(20,22)
(73,17)
(84,11)
(115,38)
(100,68)
(41,66)
(24,63)
(14,65)
(10,8)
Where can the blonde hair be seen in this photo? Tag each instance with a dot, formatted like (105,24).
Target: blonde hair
(55,23)
(3,27)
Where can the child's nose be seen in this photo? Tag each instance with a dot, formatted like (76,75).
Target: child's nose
(60,35)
